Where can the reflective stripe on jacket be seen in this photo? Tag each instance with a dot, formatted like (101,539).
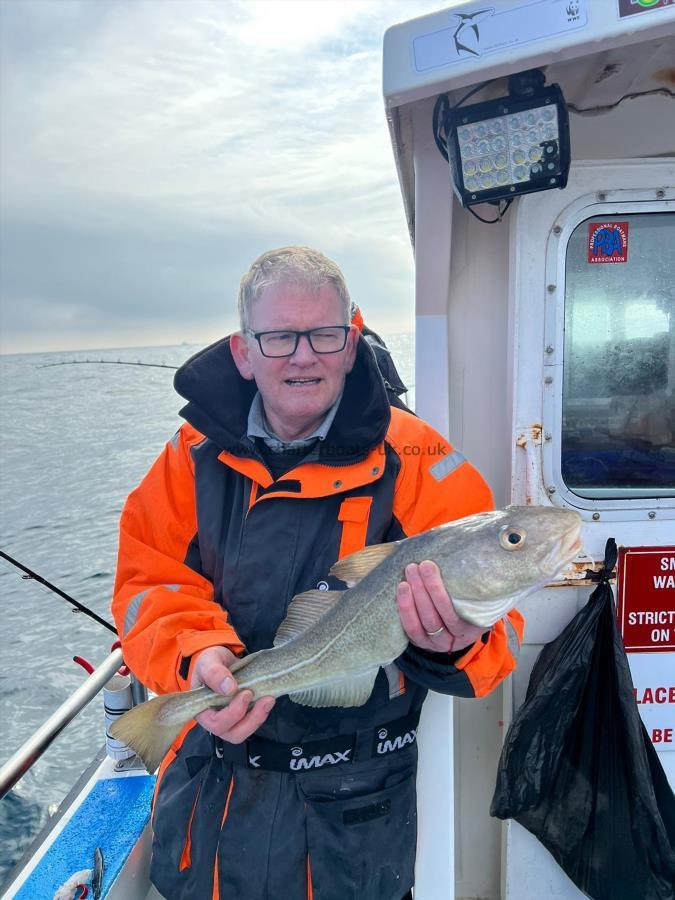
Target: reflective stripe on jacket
(212,549)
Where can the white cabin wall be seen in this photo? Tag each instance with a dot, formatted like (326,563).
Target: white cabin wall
(480,402)
(461,301)
(433,226)
(460,306)
(480,390)
(434,868)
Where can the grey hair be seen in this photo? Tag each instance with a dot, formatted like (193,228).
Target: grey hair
(290,265)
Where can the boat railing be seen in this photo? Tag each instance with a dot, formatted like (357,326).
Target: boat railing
(18,764)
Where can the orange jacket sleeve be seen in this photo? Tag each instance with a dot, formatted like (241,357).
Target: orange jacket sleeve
(164,610)
(437,484)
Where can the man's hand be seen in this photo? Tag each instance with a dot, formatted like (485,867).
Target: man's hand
(427,614)
(236,722)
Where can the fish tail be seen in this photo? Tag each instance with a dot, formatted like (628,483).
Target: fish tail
(143,730)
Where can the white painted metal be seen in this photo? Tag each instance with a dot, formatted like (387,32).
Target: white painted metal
(604,30)
(603,199)
(531,872)
(538,313)
(446,378)
(433,224)
(434,870)
(595,66)
(435,865)
(479,424)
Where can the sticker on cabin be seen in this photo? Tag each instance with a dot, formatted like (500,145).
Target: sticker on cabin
(631,7)
(480,29)
(608,242)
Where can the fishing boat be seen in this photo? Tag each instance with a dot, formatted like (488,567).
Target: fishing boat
(516,361)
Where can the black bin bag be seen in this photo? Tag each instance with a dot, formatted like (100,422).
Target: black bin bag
(578,769)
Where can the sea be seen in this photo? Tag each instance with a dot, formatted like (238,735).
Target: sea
(80,429)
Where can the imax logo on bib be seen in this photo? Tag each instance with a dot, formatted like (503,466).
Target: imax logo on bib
(386,745)
(319,760)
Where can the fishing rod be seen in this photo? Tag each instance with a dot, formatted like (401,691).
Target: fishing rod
(52,587)
(105,362)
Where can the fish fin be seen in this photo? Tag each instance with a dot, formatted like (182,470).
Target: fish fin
(305,610)
(139,729)
(143,730)
(351,569)
(352,691)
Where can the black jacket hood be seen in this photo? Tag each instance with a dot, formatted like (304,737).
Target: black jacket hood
(219,400)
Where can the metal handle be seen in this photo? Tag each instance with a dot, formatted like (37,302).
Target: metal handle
(17,766)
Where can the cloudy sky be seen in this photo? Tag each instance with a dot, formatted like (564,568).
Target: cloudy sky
(150,149)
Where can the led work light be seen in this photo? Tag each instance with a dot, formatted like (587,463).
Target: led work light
(510,146)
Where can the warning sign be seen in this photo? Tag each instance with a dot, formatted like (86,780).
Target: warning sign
(646,612)
(654,689)
(608,242)
(646,601)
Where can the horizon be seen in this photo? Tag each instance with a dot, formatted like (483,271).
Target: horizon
(384,332)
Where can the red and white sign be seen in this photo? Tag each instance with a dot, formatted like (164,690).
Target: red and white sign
(653,677)
(646,612)
(608,242)
(646,601)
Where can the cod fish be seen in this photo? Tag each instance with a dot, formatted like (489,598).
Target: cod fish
(329,648)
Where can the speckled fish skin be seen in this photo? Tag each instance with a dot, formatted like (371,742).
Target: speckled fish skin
(363,631)
(331,645)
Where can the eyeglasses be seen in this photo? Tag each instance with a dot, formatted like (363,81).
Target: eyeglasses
(328,339)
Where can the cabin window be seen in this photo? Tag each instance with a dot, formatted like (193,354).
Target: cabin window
(618,428)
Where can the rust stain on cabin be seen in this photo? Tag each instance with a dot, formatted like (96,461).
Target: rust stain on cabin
(576,574)
(666,75)
(531,434)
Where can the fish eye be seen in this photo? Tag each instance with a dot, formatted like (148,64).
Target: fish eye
(512,538)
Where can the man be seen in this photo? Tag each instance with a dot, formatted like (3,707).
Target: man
(291,459)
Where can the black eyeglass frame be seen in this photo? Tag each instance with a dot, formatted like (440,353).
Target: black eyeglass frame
(298,334)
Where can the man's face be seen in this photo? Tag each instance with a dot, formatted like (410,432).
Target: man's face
(296,390)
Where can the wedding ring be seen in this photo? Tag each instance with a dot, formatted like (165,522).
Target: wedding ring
(437,632)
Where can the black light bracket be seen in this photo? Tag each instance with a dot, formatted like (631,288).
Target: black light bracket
(525,84)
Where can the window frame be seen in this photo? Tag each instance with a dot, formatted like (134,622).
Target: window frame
(609,204)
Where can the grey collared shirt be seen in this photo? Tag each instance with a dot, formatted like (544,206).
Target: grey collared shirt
(259,427)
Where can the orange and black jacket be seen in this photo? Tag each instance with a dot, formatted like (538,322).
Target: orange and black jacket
(212,549)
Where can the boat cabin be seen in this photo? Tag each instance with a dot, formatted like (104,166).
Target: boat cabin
(545,345)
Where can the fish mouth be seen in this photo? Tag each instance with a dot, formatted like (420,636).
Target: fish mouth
(564,551)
